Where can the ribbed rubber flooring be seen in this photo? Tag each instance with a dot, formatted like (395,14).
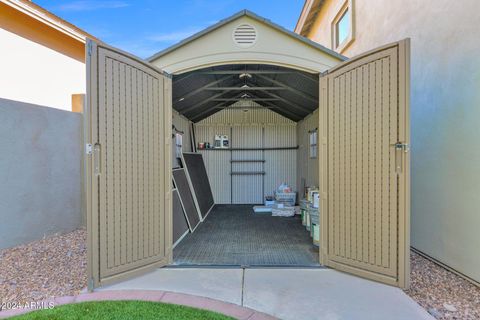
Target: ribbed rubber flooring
(234,235)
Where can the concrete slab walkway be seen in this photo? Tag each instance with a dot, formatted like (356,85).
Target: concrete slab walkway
(286,293)
(326,294)
(220,284)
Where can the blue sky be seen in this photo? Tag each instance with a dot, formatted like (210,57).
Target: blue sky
(144,27)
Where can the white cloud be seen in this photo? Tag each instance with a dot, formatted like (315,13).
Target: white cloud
(174,36)
(140,48)
(91,5)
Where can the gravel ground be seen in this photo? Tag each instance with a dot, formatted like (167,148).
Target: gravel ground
(52,267)
(56,266)
(442,293)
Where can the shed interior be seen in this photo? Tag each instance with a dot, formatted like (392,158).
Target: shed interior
(269,114)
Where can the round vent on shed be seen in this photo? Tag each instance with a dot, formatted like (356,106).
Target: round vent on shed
(245,35)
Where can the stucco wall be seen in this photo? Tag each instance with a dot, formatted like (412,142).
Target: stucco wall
(445,113)
(33,73)
(40,189)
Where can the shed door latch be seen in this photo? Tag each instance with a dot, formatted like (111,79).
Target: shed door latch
(400,149)
(402,146)
(88,149)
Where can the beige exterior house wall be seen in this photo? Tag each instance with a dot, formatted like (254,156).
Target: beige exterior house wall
(42,56)
(36,74)
(445,113)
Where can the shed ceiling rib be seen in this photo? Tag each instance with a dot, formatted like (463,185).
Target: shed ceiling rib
(201,93)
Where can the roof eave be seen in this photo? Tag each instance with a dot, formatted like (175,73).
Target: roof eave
(38,13)
(303,16)
(309,11)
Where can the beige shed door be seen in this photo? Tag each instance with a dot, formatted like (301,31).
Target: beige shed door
(364,121)
(128,123)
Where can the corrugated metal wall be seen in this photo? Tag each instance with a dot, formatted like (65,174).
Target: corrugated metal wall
(280,165)
(248,125)
(247,188)
(182,124)
(217,163)
(307,170)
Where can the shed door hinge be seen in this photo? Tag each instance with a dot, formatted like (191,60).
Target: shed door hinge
(88,149)
(90,285)
(89,48)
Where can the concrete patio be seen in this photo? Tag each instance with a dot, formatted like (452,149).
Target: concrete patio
(287,293)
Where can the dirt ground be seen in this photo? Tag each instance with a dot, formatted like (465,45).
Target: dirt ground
(56,266)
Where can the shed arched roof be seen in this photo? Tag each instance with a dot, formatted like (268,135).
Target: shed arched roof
(275,45)
(281,68)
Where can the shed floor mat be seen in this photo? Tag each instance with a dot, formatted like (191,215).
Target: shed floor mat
(234,235)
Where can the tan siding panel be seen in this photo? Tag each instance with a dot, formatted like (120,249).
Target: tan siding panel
(132,207)
(372,165)
(348,165)
(341,165)
(140,144)
(104,139)
(128,163)
(363,188)
(364,169)
(378,161)
(151,170)
(122,164)
(332,239)
(393,128)
(353,164)
(337,144)
(385,142)
(116,165)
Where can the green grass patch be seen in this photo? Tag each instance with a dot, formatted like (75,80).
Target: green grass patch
(122,310)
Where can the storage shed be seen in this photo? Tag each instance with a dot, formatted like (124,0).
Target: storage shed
(285,110)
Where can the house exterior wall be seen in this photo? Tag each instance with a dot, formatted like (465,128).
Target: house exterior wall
(39,64)
(445,77)
(256,127)
(40,172)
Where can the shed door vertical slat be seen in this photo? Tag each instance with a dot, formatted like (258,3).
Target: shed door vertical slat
(128,197)
(364,112)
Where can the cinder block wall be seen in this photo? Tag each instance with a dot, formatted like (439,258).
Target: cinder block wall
(40,172)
